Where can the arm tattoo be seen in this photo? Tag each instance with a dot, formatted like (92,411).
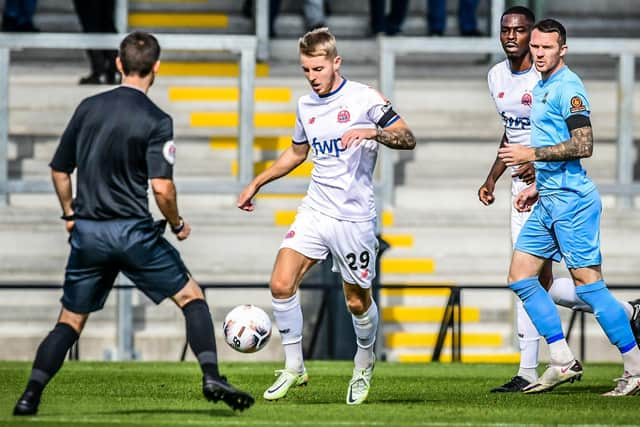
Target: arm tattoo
(400,139)
(580,145)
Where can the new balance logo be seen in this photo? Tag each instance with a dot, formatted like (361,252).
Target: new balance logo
(284,331)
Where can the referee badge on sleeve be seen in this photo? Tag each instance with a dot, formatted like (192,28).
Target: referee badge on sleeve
(169,152)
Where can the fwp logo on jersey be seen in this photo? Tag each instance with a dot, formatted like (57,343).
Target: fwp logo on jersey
(331,147)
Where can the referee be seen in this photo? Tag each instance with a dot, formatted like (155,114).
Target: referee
(111,229)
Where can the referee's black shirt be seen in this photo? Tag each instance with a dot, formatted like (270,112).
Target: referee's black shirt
(118,140)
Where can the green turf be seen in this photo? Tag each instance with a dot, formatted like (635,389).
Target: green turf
(168,394)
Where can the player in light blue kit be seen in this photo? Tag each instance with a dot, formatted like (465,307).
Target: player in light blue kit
(566,221)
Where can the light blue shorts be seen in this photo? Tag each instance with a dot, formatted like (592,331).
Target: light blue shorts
(564,225)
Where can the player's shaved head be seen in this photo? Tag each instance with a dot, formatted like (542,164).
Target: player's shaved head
(520,10)
(139,52)
(318,42)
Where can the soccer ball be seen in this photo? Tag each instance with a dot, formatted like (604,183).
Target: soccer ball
(247,328)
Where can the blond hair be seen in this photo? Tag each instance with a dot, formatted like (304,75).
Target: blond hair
(318,42)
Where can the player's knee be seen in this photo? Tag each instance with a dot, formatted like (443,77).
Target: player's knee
(75,320)
(515,276)
(281,288)
(190,292)
(356,305)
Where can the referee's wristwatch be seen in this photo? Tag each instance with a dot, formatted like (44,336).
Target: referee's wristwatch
(178,228)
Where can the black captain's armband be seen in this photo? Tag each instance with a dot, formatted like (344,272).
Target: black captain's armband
(387,116)
(577,121)
(69,217)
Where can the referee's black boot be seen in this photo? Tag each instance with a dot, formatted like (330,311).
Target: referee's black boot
(27,404)
(217,388)
(514,385)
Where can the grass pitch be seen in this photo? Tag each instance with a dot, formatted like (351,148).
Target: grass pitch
(168,394)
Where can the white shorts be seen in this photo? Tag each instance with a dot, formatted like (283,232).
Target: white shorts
(517,218)
(353,245)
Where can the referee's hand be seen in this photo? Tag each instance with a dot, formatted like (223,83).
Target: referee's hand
(184,233)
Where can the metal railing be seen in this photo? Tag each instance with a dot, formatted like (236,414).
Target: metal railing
(625,49)
(244,46)
(261,27)
(451,321)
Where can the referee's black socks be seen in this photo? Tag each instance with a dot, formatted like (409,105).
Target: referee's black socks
(50,356)
(201,336)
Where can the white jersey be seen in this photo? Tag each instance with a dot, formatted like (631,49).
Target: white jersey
(342,180)
(512,94)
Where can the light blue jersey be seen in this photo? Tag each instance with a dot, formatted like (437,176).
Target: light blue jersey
(554,101)
(566,221)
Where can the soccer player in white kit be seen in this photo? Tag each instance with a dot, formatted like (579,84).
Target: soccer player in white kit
(511,83)
(342,122)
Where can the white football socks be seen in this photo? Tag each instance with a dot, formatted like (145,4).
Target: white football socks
(631,361)
(366,328)
(560,353)
(529,341)
(288,316)
(563,292)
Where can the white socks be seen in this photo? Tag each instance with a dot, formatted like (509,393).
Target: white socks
(631,361)
(563,292)
(288,315)
(560,353)
(366,328)
(529,341)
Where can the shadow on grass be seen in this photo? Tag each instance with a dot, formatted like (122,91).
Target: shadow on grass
(215,412)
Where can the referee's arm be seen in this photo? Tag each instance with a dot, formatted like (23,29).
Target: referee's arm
(62,184)
(164,191)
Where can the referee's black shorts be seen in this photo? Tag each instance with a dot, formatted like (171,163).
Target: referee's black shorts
(101,249)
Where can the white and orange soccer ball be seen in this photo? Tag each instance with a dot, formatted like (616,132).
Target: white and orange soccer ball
(247,328)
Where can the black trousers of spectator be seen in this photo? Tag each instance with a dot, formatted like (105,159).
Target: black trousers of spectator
(96,16)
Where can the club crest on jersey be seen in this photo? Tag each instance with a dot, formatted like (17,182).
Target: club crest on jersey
(331,147)
(169,152)
(501,95)
(526,100)
(290,234)
(312,120)
(343,116)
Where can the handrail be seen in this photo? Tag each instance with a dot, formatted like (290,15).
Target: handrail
(452,317)
(625,49)
(243,45)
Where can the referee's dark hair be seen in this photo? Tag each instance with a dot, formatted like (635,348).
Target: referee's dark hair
(520,10)
(552,26)
(139,52)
